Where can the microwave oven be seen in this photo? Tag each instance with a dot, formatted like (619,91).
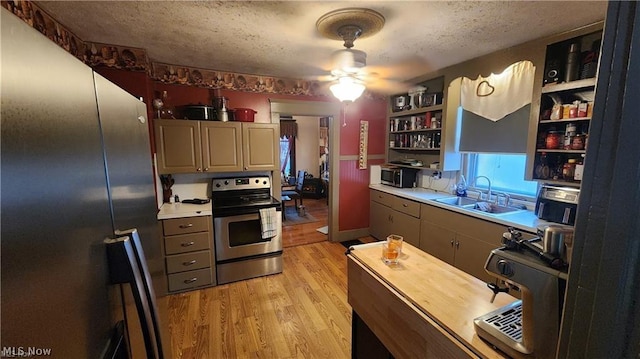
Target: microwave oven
(398,176)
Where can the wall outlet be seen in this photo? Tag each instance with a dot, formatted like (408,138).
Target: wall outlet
(437,174)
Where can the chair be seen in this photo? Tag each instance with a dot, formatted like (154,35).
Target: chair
(297,192)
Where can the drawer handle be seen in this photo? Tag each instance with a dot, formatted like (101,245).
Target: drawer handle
(186,225)
(452,243)
(187,244)
(191,262)
(188,281)
(405,205)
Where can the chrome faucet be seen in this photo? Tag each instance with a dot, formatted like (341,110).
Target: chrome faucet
(475,181)
(506,196)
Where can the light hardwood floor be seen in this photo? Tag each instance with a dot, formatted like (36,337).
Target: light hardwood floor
(300,313)
(306,233)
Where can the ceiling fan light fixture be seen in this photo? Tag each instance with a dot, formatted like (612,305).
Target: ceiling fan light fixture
(347,89)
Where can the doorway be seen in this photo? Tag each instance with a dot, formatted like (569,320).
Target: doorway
(329,112)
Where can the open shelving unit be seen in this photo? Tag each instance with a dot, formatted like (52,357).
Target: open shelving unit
(561,136)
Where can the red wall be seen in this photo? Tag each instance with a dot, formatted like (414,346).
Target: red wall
(353,182)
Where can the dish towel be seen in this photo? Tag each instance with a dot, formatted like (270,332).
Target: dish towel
(268,222)
(498,95)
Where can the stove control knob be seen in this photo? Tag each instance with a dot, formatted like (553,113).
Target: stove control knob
(257,181)
(218,185)
(264,183)
(226,183)
(504,268)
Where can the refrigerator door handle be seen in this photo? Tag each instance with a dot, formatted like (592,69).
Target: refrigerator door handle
(127,264)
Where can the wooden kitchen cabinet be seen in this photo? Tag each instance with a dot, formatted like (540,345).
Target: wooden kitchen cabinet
(394,215)
(379,224)
(189,253)
(460,240)
(209,146)
(261,146)
(440,243)
(178,146)
(222,146)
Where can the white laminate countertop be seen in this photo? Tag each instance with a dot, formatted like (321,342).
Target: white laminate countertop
(523,220)
(181,210)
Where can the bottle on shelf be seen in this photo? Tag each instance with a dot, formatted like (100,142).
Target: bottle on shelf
(573,63)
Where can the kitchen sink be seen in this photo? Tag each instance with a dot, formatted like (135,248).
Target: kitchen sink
(479,206)
(495,209)
(458,201)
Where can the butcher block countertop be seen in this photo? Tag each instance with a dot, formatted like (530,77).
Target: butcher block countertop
(434,292)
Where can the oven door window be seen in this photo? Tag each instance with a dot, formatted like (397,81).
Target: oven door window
(245,232)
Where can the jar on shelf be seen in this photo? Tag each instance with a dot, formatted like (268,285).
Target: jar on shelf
(553,139)
(542,169)
(569,169)
(577,142)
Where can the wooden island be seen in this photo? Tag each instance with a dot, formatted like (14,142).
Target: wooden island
(420,308)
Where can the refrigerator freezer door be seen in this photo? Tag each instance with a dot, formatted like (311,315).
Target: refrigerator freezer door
(55,209)
(128,160)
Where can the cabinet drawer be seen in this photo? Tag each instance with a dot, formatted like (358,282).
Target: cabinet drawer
(382,198)
(185,225)
(188,261)
(190,279)
(406,206)
(187,243)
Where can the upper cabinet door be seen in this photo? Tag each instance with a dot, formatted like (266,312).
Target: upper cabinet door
(221,146)
(261,146)
(178,146)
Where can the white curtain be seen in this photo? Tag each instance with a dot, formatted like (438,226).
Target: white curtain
(499,95)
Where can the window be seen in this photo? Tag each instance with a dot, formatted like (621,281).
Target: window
(506,172)
(288,156)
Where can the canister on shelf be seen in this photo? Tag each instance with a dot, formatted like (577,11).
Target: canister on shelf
(577,142)
(582,109)
(568,170)
(590,109)
(579,170)
(565,111)
(573,111)
(553,139)
(556,112)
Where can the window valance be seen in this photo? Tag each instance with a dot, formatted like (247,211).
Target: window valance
(288,128)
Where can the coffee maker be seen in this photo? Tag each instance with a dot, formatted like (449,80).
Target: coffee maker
(526,328)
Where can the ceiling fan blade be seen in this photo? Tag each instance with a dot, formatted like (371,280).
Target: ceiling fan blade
(387,86)
(399,70)
(321,78)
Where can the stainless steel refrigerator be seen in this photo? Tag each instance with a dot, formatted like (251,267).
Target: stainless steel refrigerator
(75,166)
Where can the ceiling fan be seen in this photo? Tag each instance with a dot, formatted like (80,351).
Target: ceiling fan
(349,73)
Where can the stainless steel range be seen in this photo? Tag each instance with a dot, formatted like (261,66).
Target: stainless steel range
(241,251)
(527,328)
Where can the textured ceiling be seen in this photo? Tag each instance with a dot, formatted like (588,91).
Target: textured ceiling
(279,38)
